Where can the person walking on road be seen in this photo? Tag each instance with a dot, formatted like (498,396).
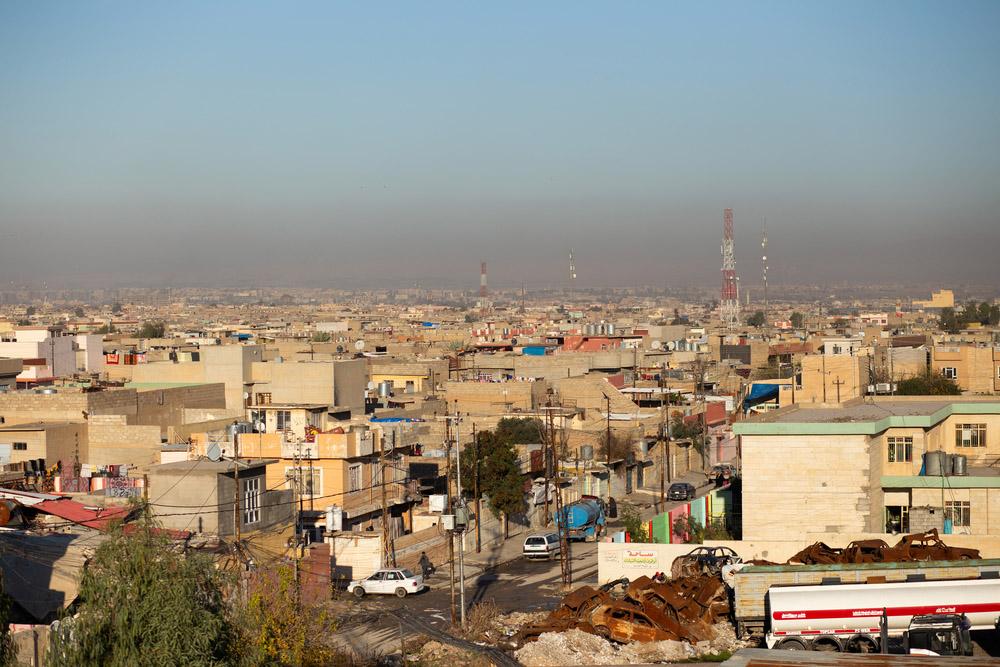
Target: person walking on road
(425,565)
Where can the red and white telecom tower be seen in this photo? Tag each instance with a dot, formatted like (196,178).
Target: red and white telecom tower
(729,307)
(484,305)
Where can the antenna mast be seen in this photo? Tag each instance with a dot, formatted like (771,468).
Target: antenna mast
(763,266)
(729,308)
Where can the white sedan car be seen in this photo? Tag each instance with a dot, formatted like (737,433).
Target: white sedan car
(398,582)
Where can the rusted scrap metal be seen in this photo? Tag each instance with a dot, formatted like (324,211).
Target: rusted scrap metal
(915,547)
(680,609)
(701,560)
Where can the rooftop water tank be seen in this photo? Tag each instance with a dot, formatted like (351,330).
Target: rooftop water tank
(933,464)
(960,466)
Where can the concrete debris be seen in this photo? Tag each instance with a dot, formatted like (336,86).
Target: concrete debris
(576,647)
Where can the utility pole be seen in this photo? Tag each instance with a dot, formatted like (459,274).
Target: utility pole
(663,450)
(236,493)
(461,533)
(451,510)
(389,551)
(475,488)
(565,559)
(837,384)
(546,452)
(607,400)
(824,376)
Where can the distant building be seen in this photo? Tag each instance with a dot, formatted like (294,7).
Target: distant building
(944,298)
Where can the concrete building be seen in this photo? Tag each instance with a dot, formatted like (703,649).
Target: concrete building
(975,368)
(201,496)
(52,442)
(860,468)
(47,353)
(944,298)
(9,370)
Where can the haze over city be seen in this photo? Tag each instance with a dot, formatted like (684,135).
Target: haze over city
(225,143)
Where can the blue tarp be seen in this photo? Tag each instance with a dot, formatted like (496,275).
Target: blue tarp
(394,420)
(759,393)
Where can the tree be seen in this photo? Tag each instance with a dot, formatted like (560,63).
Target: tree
(928,384)
(320,337)
(116,308)
(757,319)
(839,323)
(520,431)
(278,627)
(152,329)
(797,320)
(142,602)
(948,321)
(78,312)
(30,311)
(495,461)
(632,520)
(108,328)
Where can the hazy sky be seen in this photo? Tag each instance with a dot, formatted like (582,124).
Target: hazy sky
(278,142)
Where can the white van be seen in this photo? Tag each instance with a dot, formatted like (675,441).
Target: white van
(544,545)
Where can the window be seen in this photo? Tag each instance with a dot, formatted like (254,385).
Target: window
(251,500)
(284,419)
(957,511)
(312,485)
(354,477)
(897,519)
(20,446)
(900,449)
(950,372)
(970,435)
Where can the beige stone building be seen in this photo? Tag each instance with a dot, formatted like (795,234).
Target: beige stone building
(860,468)
(976,368)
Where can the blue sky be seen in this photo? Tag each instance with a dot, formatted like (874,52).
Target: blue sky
(295,141)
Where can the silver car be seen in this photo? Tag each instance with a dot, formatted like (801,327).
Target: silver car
(544,545)
(398,582)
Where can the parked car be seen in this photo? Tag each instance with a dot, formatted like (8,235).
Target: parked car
(398,582)
(681,491)
(545,545)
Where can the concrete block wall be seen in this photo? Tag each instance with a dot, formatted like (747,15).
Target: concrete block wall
(112,440)
(799,483)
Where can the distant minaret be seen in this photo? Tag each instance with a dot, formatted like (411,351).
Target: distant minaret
(484,305)
(572,268)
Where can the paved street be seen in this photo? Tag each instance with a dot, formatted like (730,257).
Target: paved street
(519,585)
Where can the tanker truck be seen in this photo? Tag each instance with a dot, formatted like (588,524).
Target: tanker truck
(925,617)
(584,518)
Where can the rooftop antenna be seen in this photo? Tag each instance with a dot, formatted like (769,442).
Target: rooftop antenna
(572,269)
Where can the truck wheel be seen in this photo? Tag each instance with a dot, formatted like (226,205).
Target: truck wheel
(829,644)
(401,592)
(359,592)
(792,645)
(861,644)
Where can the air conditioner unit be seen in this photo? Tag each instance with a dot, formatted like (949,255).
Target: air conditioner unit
(437,502)
(448,521)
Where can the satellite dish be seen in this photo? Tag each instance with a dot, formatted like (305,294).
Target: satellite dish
(671,345)
(656,345)
(246,395)
(513,341)
(260,426)
(214,452)
(359,345)
(371,386)
(340,349)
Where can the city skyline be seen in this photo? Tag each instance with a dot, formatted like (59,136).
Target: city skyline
(191,144)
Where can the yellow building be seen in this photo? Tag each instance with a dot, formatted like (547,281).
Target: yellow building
(976,368)
(944,298)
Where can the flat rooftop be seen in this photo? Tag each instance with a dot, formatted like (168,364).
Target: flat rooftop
(867,416)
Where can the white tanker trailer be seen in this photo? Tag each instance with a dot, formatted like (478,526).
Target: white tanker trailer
(933,616)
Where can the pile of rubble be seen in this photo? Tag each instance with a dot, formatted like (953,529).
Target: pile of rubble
(684,609)
(576,647)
